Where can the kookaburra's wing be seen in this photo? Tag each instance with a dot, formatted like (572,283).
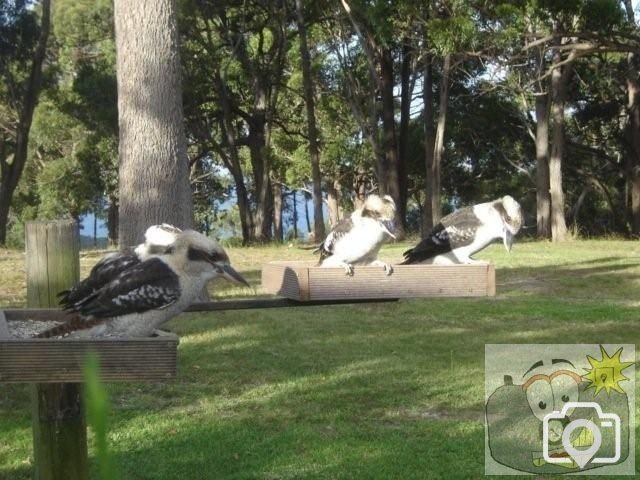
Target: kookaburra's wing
(101,274)
(149,285)
(454,230)
(327,247)
(157,240)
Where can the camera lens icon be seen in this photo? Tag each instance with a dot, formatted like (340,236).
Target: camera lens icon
(552,432)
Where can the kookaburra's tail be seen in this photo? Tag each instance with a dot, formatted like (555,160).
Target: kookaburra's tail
(315,248)
(75,322)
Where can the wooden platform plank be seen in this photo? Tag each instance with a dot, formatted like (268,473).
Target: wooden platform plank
(121,360)
(4,328)
(303,281)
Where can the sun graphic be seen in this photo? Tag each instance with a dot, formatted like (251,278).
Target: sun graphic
(607,372)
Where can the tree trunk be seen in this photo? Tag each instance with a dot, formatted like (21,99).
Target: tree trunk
(438,150)
(294,197)
(154,169)
(306,214)
(403,134)
(314,150)
(277,212)
(244,208)
(388,179)
(10,173)
(633,129)
(229,138)
(112,221)
(559,79)
(333,202)
(575,211)
(261,167)
(95,228)
(429,144)
(543,198)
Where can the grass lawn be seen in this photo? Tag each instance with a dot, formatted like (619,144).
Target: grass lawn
(375,391)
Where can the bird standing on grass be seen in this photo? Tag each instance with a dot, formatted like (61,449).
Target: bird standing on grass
(467,231)
(137,299)
(356,240)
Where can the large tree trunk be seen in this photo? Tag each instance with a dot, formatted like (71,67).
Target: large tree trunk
(633,129)
(429,142)
(438,149)
(543,198)
(403,134)
(559,78)
(388,179)
(154,170)
(314,149)
(261,167)
(10,173)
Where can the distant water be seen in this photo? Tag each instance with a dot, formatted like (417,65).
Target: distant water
(86,221)
(86,226)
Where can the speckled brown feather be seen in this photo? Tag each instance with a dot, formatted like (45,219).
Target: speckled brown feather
(75,322)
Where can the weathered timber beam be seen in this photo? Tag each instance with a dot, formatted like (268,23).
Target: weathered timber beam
(223,305)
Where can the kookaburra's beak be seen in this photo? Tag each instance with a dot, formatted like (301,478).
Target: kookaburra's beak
(386,230)
(233,276)
(507,238)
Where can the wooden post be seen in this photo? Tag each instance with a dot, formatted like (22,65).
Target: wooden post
(59,425)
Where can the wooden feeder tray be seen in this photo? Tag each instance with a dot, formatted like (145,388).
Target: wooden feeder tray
(303,281)
(36,360)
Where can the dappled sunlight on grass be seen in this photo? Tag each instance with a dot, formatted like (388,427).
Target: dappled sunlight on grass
(237,332)
(389,390)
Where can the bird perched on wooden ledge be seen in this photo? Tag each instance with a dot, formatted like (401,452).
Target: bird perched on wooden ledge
(356,240)
(467,231)
(137,299)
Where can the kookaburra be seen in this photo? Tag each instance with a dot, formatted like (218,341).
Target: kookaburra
(356,240)
(135,300)
(467,231)
(157,239)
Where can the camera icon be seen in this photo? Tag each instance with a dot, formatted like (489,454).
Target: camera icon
(554,430)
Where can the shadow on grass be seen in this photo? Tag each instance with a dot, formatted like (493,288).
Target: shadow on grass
(609,278)
(368,391)
(262,449)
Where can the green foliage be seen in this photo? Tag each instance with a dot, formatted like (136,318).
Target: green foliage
(68,178)
(19,30)
(452,34)
(97,408)
(73,145)
(603,15)
(229,48)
